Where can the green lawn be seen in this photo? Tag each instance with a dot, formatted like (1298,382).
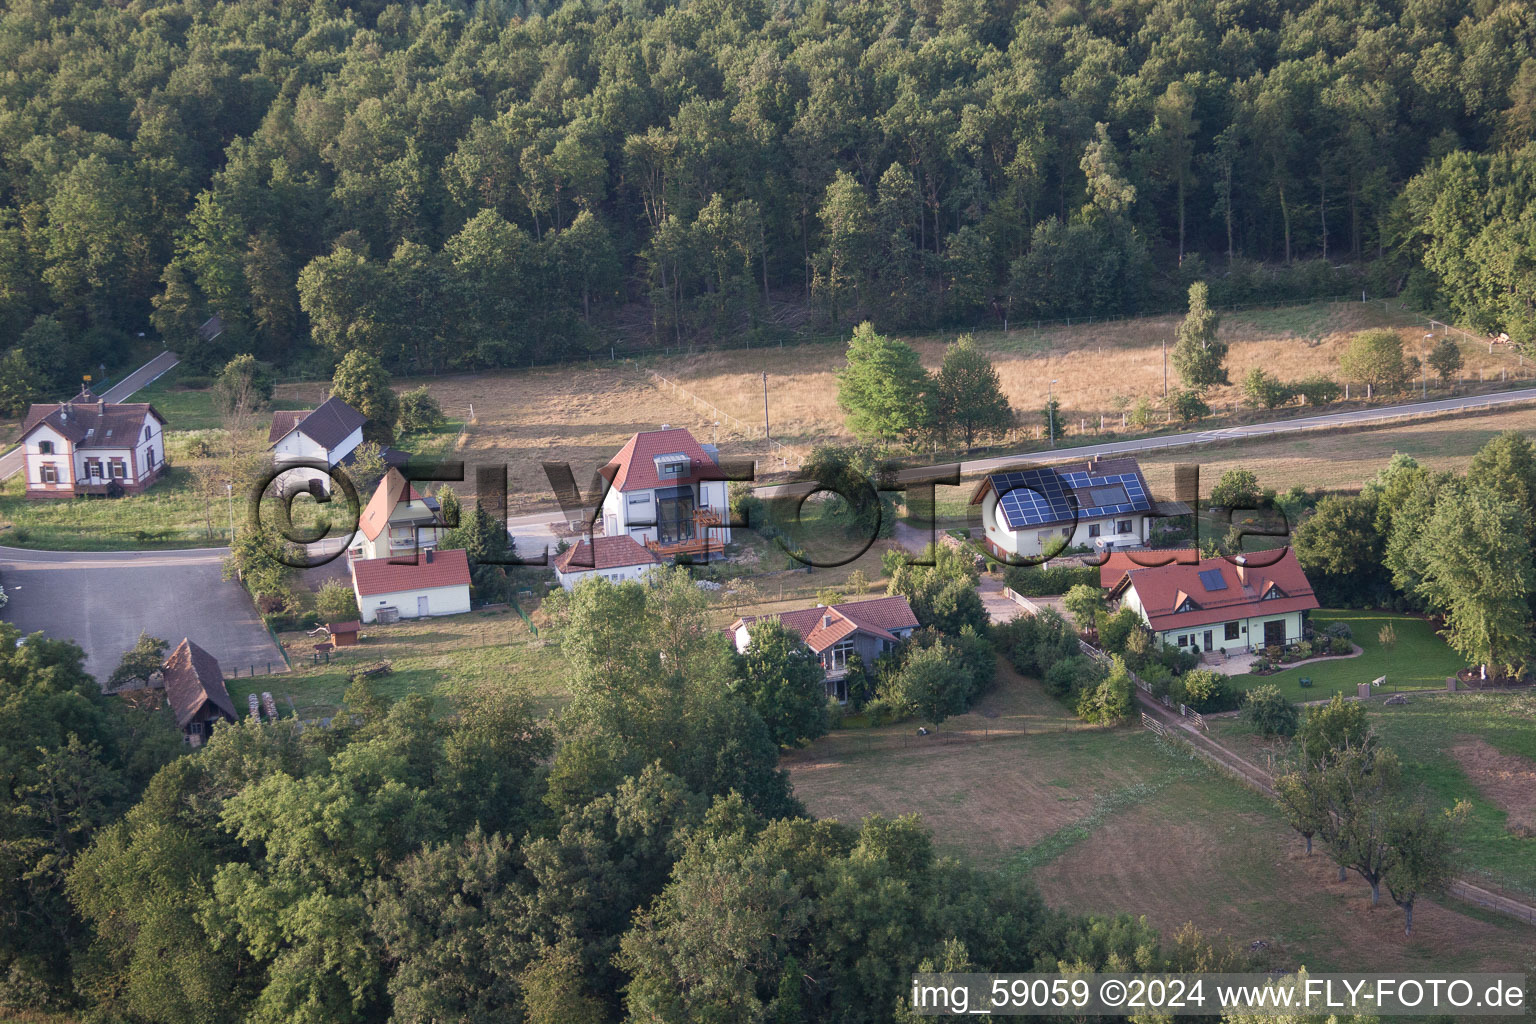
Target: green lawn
(1424,733)
(1432,734)
(168,515)
(191,408)
(441,657)
(1420,660)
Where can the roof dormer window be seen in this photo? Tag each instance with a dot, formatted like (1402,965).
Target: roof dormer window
(671,465)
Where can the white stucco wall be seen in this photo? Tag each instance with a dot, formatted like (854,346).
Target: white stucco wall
(619,574)
(440,601)
(62,459)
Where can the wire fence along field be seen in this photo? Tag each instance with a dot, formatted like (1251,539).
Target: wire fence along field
(1156,719)
(785,455)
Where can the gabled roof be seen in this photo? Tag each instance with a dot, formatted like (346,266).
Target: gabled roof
(283,422)
(634,468)
(428,571)
(1117,563)
(621,552)
(1046,495)
(1222,589)
(327,426)
(386,497)
(193,678)
(825,625)
(89,422)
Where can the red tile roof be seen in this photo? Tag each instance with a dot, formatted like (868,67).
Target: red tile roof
(619,552)
(634,468)
(193,678)
(388,494)
(90,423)
(429,570)
(1117,563)
(283,422)
(824,625)
(1162,590)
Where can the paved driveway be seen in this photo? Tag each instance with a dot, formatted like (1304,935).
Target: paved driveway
(102,600)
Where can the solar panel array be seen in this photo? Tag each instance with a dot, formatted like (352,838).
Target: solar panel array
(1212,579)
(1034,497)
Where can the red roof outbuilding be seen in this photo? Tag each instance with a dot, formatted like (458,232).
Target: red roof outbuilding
(425,571)
(621,552)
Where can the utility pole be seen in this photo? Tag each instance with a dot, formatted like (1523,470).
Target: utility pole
(1050,410)
(1165,368)
(229,489)
(765,406)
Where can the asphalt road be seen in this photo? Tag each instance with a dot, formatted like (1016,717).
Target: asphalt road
(10,462)
(103,599)
(1353,418)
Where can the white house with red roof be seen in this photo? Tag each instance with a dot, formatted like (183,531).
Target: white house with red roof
(406,587)
(614,559)
(1230,604)
(835,632)
(90,446)
(398,520)
(667,495)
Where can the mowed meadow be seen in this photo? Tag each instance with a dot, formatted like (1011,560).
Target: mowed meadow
(1112,821)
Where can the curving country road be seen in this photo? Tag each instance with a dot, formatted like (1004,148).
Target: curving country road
(103,599)
(1351,418)
(10,462)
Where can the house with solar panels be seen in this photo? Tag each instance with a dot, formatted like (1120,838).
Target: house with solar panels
(1102,504)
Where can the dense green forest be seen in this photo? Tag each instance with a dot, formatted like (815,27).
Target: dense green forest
(456,185)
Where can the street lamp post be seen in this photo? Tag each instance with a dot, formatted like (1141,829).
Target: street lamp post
(1424,368)
(229,490)
(1050,410)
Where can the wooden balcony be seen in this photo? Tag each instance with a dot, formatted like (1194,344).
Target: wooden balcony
(700,544)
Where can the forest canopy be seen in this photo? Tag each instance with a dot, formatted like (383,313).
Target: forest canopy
(470,185)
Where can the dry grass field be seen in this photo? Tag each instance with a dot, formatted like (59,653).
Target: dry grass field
(1203,850)
(1342,460)
(583,413)
(1101,369)
(1111,821)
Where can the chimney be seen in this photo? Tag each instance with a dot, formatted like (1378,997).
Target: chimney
(101,406)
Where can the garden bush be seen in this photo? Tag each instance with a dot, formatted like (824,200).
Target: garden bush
(1266,709)
(1205,690)
(1047,581)
(1070,675)
(1339,630)
(1341,645)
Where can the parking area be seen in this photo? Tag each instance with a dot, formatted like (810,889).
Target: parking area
(103,600)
